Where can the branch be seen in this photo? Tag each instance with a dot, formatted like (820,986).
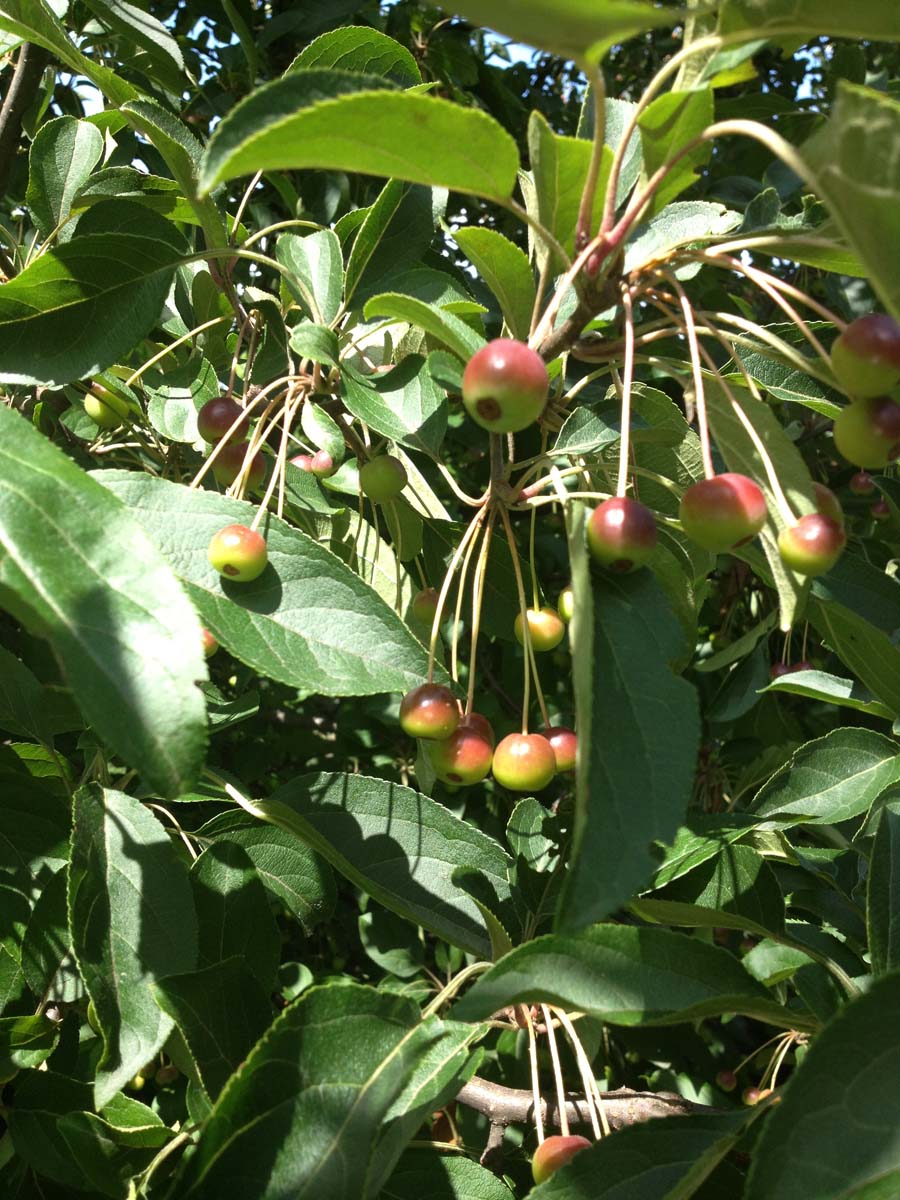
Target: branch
(23,85)
(503,1105)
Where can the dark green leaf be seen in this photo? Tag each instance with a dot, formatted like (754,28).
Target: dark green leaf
(25,1042)
(399,846)
(625,976)
(177,395)
(829,780)
(359,48)
(234,919)
(505,269)
(883,894)
(423,1173)
(308,620)
(315,271)
(668,1157)
(76,308)
(221,1011)
(132,921)
(76,568)
(47,960)
(62,156)
(803,1151)
(444,326)
(306,1124)
(830,689)
(314,119)
(875,19)
(34,833)
(635,720)
(405,404)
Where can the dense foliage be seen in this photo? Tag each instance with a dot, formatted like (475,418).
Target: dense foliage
(395,397)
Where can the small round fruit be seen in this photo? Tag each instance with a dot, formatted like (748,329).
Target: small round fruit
(827,503)
(210,645)
(868,433)
(621,534)
(462,758)
(218,415)
(322,464)
(238,553)
(524,762)
(751,1096)
(383,478)
(104,407)
(803,665)
(545,629)
(554,1152)
(425,605)
(881,510)
(505,386)
(862,484)
(778,669)
(429,711)
(724,512)
(229,462)
(166,1075)
(565,606)
(726,1081)
(866,356)
(481,725)
(565,744)
(813,545)
(303,462)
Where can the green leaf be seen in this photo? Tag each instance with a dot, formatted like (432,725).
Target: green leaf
(79,306)
(395,233)
(829,780)
(668,125)
(176,395)
(322,430)
(34,832)
(314,119)
(560,167)
(131,921)
(635,720)
(422,1173)
(447,328)
(399,846)
(22,701)
(308,621)
(234,919)
(359,48)
(405,404)
(221,1010)
(315,342)
(624,975)
(803,1150)
(572,28)
(303,1116)
(76,568)
(147,32)
(703,836)
(290,872)
(883,894)
(47,961)
(663,1158)
(872,19)
(856,169)
(679,224)
(42,1098)
(62,156)
(315,271)
(734,890)
(830,689)
(26,1042)
(506,271)
(35,21)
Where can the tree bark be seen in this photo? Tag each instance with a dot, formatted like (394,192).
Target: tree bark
(26,76)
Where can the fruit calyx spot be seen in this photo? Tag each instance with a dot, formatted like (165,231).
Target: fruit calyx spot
(488,408)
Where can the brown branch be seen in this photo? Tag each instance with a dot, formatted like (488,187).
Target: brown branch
(26,76)
(503,1105)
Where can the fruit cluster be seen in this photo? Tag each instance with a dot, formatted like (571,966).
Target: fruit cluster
(505,389)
